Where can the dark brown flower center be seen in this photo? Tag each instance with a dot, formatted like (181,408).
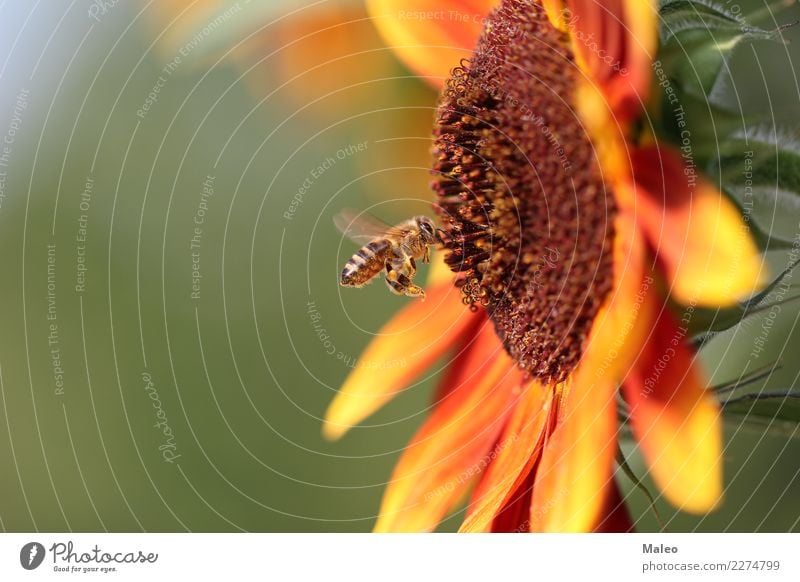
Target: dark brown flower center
(529,221)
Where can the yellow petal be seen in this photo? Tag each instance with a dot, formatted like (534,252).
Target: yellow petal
(429,38)
(699,235)
(403,349)
(439,272)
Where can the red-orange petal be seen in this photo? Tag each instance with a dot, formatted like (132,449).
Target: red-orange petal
(675,420)
(461,355)
(577,462)
(403,349)
(455,443)
(519,447)
(615,515)
(430,39)
(614,42)
(515,516)
(699,235)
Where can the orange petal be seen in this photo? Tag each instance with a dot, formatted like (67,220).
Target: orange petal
(329,61)
(614,42)
(430,39)
(455,443)
(407,345)
(440,272)
(576,468)
(577,463)
(675,420)
(699,235)
(519,447)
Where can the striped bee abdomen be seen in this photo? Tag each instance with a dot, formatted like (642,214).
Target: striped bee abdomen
(366,263)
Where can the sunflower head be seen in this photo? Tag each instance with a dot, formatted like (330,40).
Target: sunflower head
(522,197)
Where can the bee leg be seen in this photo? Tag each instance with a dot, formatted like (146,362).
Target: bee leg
(407,269)
(426,258)
(392,280)
(398,278)
(404,286)
(396,287)
(414,290)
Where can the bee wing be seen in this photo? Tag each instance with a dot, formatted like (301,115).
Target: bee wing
(362,227)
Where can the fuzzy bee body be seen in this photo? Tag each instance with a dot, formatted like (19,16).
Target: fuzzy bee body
(367,263)
(392,250)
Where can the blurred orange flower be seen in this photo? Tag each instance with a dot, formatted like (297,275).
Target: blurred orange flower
(568,232)
(430,38)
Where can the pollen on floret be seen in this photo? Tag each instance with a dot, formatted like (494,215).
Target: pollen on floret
(527,216)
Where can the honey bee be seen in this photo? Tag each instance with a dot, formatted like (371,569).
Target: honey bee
(390,249)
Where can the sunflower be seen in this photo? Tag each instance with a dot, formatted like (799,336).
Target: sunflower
(573,237)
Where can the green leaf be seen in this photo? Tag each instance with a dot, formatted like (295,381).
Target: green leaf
(697,39)
(777,412)
(772,158)
(762,228)
(695,122)
(747,378)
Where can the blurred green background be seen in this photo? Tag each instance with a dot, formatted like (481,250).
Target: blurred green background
(193,282)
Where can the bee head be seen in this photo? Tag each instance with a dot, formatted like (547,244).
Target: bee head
(428,230)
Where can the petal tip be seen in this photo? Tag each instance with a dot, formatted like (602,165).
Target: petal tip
(333,432)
